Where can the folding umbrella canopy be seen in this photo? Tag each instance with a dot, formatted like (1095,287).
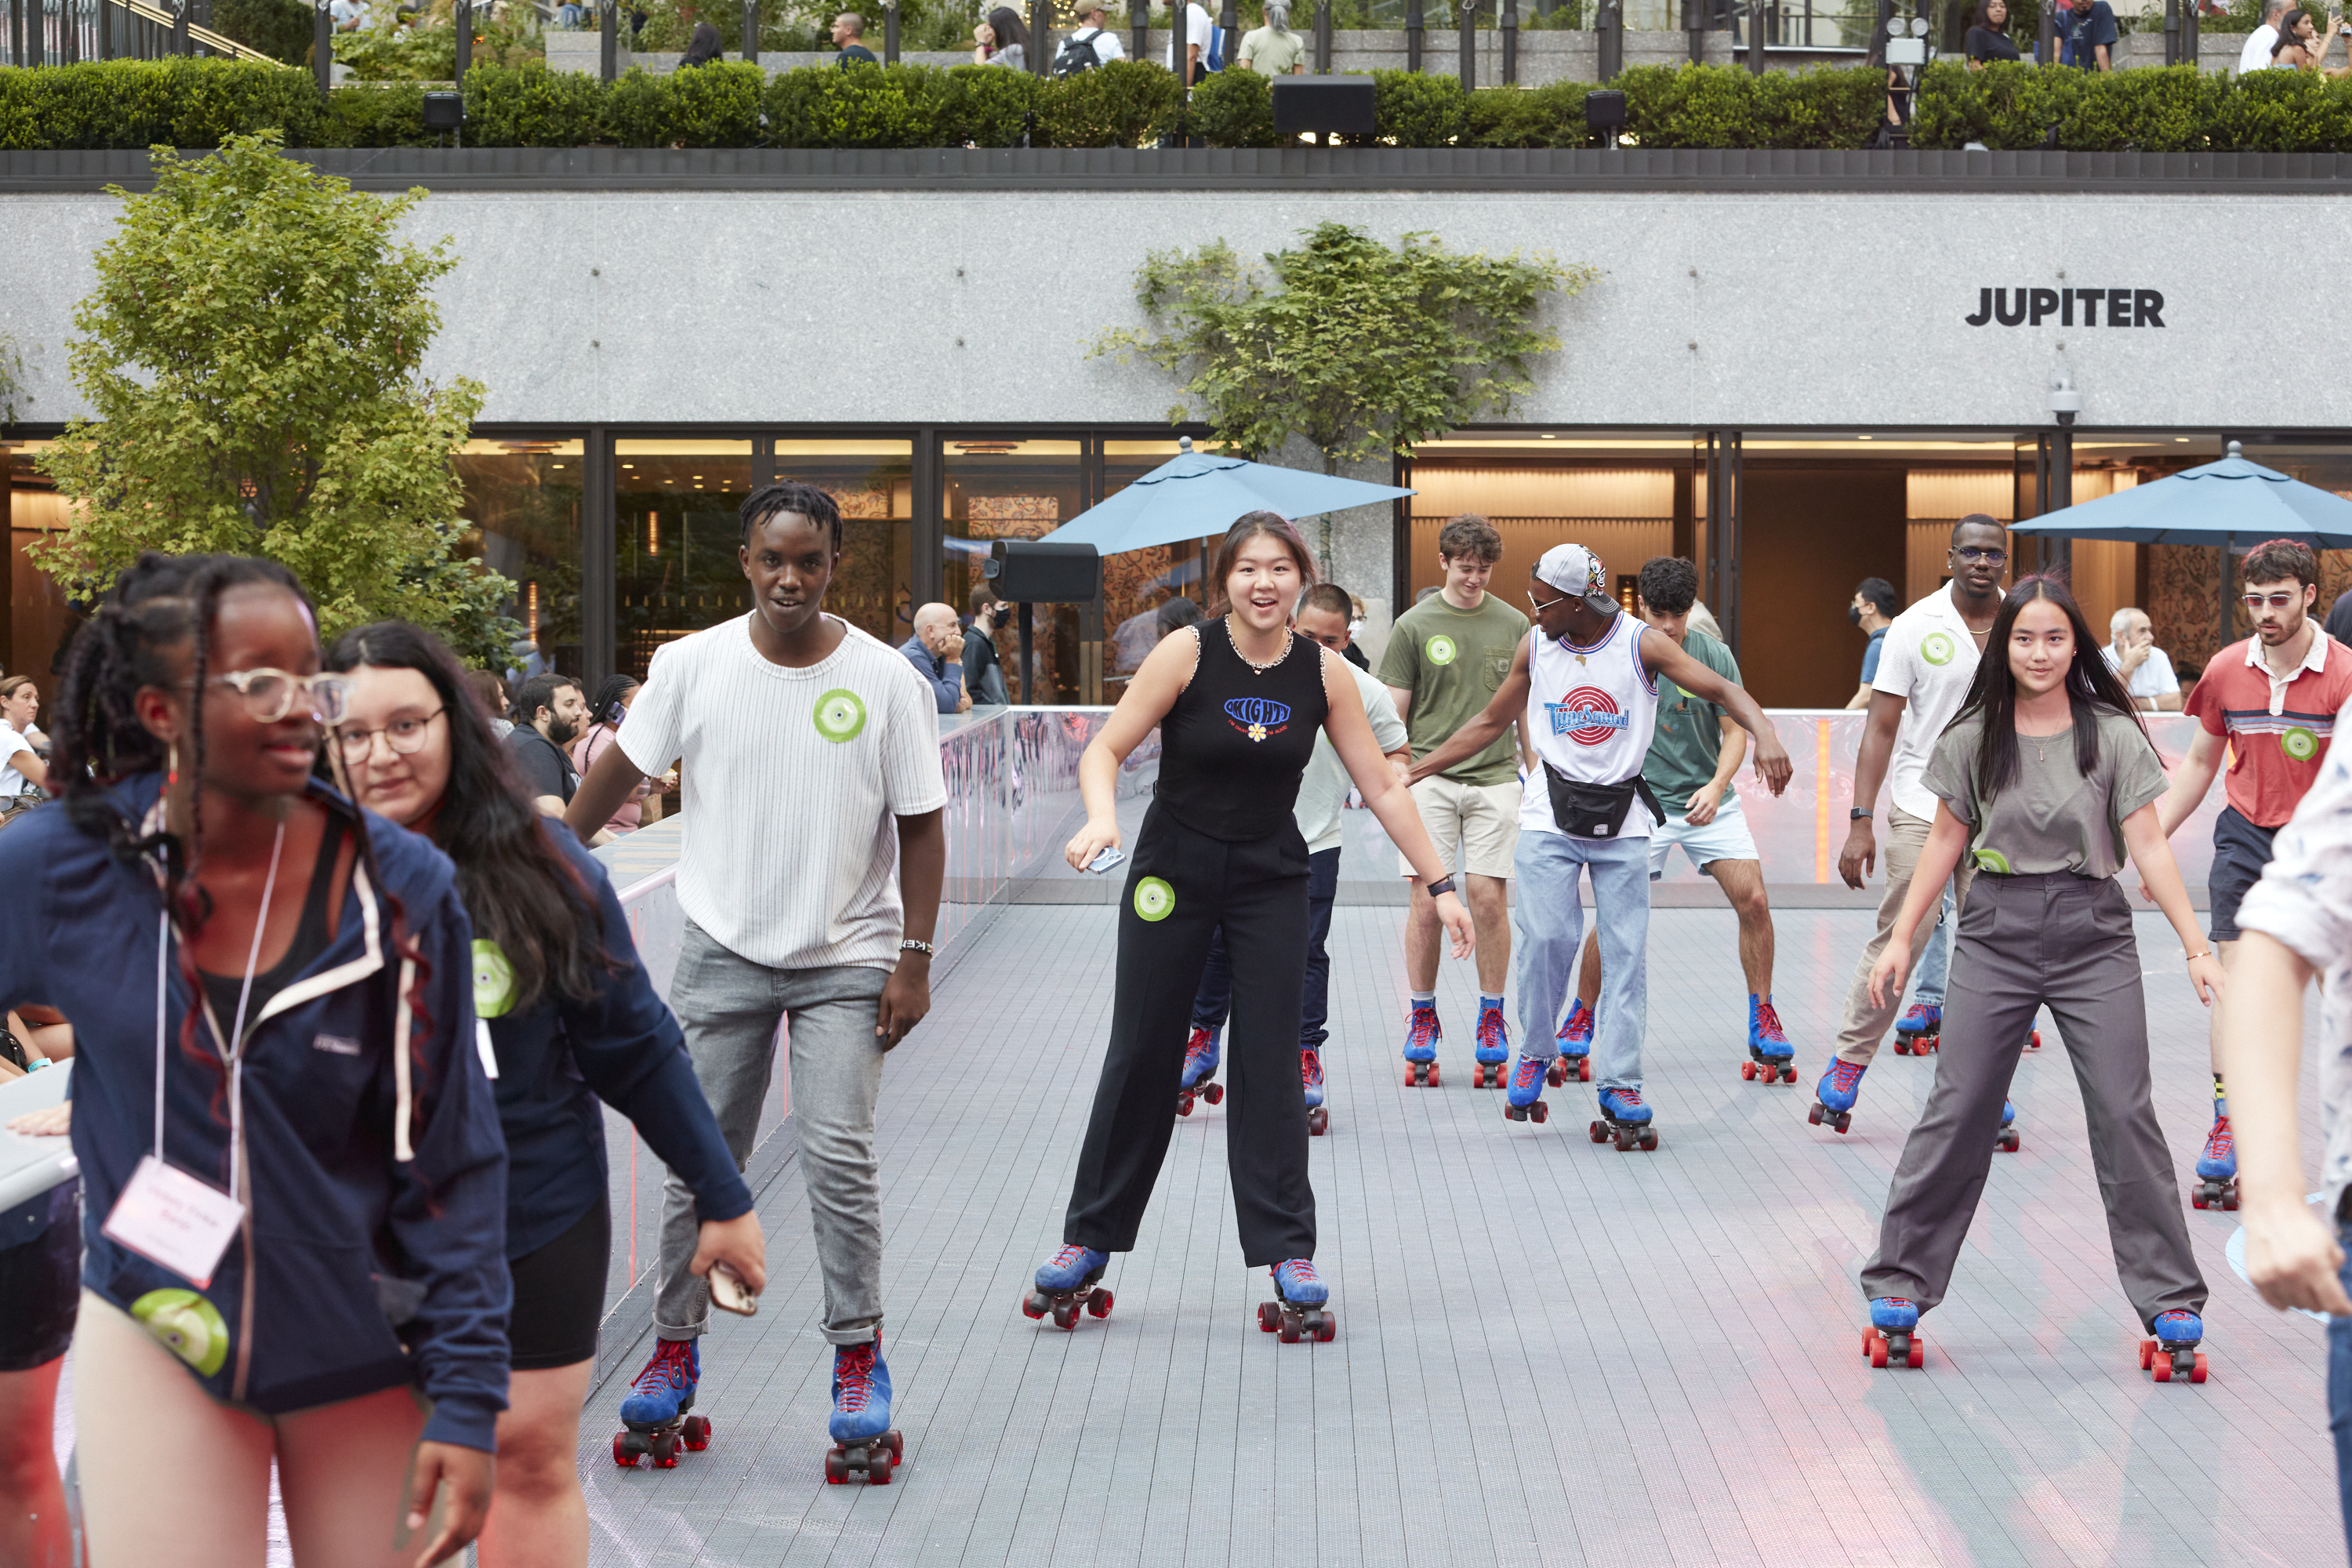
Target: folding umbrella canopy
(1194,496)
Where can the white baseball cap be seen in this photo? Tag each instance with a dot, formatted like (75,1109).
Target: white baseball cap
(1574,569)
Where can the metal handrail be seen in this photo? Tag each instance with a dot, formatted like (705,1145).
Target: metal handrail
(217,42)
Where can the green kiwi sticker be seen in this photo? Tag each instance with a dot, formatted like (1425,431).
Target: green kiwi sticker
(1993,860)
(2300,744)
(1440,649)
(493,980)
(840,715)
(185,1325)
(1154,899)
(1937,647)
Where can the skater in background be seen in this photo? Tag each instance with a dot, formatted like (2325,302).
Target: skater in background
(1322,618)
(615,693)
(204,905)
(572,1019)
(1585,680)
(2271,700)
(809,870)
(1239,700)
(2045,779)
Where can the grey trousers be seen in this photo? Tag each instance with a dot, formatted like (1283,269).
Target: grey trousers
(1865,1023)
(2025,941)
(729,1007)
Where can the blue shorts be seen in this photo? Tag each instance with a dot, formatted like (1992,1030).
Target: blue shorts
(2241,850)
(40,1276)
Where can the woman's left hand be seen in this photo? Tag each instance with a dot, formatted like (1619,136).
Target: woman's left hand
(2205,978)
(1457,922)
(1888,974)
(52,1122)
(464,1475)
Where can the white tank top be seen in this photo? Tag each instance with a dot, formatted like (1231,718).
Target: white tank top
(1593,712)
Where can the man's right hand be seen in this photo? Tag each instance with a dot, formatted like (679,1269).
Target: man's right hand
(2293,1259)
(1860,856)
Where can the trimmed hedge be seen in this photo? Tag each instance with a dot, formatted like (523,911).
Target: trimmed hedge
(194,103)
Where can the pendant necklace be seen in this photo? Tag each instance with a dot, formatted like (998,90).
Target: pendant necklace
(1256,668)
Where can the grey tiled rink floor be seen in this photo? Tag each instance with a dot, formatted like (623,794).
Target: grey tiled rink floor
(1548,1351)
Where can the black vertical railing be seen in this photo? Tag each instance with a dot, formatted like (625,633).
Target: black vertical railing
(1510,30)
(1466,25)
(1322,37)
(1609,28)
(1412,31)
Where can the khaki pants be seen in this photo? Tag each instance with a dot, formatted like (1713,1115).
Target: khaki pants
(1864,1025)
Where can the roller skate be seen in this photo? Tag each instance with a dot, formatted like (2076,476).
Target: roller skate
(1311,1073)
(1833,1097)
(1494,1048)
(863,1443)
(2005,1141)
(1575,1058)
(1920,1029)
(1420,1036)
(1066,1282)
(1892,1339)
(2217,1167)
(1524,1102)
(1201,1057)
(1772,1059)
(655,1412)
(1625,1120)
(1299,1308)
(2173,1352)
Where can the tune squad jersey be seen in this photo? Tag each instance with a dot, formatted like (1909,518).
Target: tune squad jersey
(1593,710)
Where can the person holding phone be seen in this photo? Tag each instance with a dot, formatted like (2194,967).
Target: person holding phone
(614,695)
(571,1020)
(1238,702)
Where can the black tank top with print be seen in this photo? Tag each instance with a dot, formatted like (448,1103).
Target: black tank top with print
(1232,748)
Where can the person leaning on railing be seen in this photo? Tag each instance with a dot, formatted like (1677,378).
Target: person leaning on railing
(1989,38)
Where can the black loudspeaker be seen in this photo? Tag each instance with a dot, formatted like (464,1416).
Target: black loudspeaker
(1604,110)
(1330,104)
(444,111)
(1030,571)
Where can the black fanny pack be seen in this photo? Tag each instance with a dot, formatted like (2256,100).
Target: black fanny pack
(1596,810)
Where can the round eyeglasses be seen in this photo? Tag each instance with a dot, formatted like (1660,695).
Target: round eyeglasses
(405,735)
(269,693)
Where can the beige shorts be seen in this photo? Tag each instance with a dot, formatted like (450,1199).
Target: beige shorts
(1485,817)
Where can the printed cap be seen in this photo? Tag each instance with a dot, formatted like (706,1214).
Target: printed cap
(1574,569)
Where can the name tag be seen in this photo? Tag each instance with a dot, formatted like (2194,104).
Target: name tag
(335,1044)
(168,1216)
(482,1044)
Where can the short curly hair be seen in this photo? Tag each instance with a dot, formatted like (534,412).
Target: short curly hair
(2276,560)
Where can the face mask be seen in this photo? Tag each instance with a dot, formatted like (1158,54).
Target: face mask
(1854,614)
(1355,627)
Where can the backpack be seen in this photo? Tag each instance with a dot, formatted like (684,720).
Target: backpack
(1079,54)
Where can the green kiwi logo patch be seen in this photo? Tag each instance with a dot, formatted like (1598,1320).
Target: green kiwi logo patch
(1154,899)
(1937,647)
(840,715)
(185,1325)
(2300,744)
(1993,860)
(1440,649)
(493,980)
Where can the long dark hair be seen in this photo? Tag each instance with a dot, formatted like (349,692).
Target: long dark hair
(611,693)
(1009,28)
(2287,39)
(2092,688)
(702,47)
(520,889)
(1258,525)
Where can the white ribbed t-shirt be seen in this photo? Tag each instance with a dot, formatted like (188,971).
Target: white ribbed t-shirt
(793,781)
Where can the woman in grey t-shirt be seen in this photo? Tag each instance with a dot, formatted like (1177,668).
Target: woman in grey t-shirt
(2047,779)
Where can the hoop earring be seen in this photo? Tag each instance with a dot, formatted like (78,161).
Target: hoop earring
(172,777)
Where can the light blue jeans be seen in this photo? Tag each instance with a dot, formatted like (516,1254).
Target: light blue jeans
(1935,962)
(1548,931)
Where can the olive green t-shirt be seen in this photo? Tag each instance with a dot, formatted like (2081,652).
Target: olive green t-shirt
(2050,817)
(1689,739)
(1453,661)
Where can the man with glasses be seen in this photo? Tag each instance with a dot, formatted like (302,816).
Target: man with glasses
(1924,671)
(2272,700)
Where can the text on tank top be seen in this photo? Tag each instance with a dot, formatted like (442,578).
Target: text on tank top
(1593,709)
(1233,746)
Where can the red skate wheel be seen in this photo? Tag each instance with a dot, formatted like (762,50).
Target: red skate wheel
(878,1465)
(1318,1122)
(896,1444)
(2197,1372)
(1432,1074)
(1328,1330)
(1034,1304)
(1816,1113)
(1649,1141)
(837,1468)
(1556,1074)
(1541,1111)
(1066,1315)
(1583,1071)
(624,1451)
(1183,1105)
(1902,1046)
(2161,1369)
(2035,1043)
(1878,1350)
(1215,1094)
(1787,1075)
(697,1434)
(1098,1304)
(1598,1132)
(1747,1071)
(1269,1317)
(2146,1353)
(1288,1332)
(1867,1335)
(666,1453)
(1918,1352)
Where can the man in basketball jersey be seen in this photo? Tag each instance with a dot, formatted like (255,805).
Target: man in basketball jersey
(1585,680)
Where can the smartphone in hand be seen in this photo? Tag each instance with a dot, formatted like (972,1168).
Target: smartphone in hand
(729,1294)
(1111,857)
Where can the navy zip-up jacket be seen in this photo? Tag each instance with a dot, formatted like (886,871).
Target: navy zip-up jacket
(341,1237)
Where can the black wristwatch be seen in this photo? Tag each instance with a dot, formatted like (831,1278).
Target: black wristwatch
(1442,885)
(1860,814)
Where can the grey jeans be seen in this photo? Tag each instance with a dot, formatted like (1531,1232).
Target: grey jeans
(729,1007)
(2025,941)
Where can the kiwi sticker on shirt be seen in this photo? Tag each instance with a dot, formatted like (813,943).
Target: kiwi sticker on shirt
(185,1325)
(1993,860)
(1937,647)
(1154,899)
(494,984)
(2300,744)
(840,715)
(1439,649)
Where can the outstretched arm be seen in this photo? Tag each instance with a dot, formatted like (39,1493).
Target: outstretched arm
(609,783)
(1502,711)
(1391,803)
(1661,655)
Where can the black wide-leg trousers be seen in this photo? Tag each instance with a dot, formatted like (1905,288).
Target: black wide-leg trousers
(1182,886)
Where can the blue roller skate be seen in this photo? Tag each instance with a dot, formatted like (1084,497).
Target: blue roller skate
(1892,1339)
(1525,1101)
(1420,1036)
(2217,1167)
(2006,1139)
(1575,1056)
(1771,1059)
(1310,1073)
(863,1443)
(1200,1057)
(1494,1047)
(1920,1029)
(655,1412)
(2173,1353)
(1625,1120)
(1066,1282)
(1833,1097)
(1300,1306)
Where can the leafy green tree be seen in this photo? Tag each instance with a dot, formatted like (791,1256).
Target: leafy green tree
(1360,349)
(252,353)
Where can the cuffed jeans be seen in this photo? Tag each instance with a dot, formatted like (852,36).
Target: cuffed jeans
(1548,931)
(1865,1023)
(729,1007)
(1936,955)
(1214,1001)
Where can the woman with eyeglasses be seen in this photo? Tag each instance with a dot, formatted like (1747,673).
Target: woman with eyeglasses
(569,1018)
(290,1157)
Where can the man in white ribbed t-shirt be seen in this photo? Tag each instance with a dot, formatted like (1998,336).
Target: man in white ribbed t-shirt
(809,874)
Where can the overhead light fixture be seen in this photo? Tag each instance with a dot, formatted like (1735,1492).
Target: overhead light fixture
(989,448)
(555,465)
(628,465)
(1865,438)
(2180,437)
(1550,436)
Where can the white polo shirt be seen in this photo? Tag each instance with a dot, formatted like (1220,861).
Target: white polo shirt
(2256,54)
(1928,660)
(1323,788)
(2154,678)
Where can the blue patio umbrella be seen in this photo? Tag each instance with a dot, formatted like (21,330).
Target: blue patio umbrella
(1195,495)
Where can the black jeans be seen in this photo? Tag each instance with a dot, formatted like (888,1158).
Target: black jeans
(1182,887)
(1214,1001)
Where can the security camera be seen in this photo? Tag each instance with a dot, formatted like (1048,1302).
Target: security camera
(2065,400)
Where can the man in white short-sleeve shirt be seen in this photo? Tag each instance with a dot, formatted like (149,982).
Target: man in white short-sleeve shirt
(1194,54)
(2256,54)
(809,874)
(2146,669)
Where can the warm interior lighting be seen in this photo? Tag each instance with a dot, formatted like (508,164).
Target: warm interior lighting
(653,534)
(555,465)
(628,465)
(530,608)
(1550,436)
(1865,438)
(2180,437)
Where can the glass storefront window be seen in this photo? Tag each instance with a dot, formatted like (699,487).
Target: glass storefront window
(38,619)
(678,527)
(522,498)
(873,483)
(1141,588)
(1006,488)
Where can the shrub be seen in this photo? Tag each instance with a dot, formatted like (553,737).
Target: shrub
(717,105)
(180,102)
(1551,116)
(854,106)
(530,106)
(1232,109)
(2283,111)
(984,106)
(1119,105)
(379,114)
(1723,106)
(279,28)
(1412,110)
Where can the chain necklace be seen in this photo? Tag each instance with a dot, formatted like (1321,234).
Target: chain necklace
(1256,668)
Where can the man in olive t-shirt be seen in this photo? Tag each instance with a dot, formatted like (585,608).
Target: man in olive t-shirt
(1445,658)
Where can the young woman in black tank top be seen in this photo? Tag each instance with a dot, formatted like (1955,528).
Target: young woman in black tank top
(1237,702)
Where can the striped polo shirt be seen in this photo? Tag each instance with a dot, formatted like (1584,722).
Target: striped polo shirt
(2278,728)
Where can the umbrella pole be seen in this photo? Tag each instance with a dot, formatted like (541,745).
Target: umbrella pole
(1028,660)
(2229,548)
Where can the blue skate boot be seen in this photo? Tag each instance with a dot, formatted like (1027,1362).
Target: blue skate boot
(1833,1097)
(863,1443)
(1919,1030)
(1625,1120)
(1420,1036)
(1771,1059)
(1494,1047)
(2006,1139)
(1201,1058)
(655,1412)
(2217,1167)
(1300,1306)
(1310,1075)
(1893,1338)
(1525,1101)
(2173,1353)
(1575,1058)
(1066,1282)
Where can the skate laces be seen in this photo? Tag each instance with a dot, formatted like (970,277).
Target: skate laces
(1529,1071)
(1300,1270)
(1198,1046)
(1578,1024)
(1310,1066)
(1490,1029)
(1424,1025)
(2178,1325)
(1768,1025)
(852,1367)
(1071,1253)
(1627,1095)
(669,1366)
(2219,1141)
(1844,1075)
